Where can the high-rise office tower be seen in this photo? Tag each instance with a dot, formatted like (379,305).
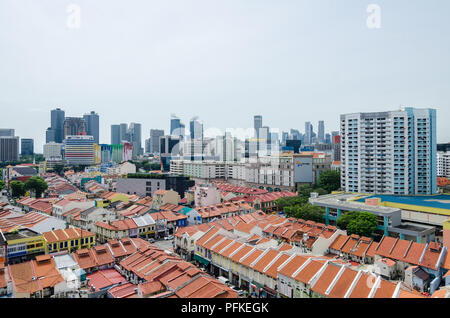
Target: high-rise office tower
(257,124)
(154,140)
(134,135)
(196,139)
(55,133)
(264,141)
(92,126)
(169,147)
(321,131)
(196,128)
(177,128)
(390,152)
(226,148)
(174,125)
(284,137)
(74,126)
(295,135)
(115,135)
(9,148)
(124,132)
(308,133)
(26,146)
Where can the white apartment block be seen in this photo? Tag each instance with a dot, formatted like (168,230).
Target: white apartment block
(389,152)
(264,171)
(443,164)
(53,150)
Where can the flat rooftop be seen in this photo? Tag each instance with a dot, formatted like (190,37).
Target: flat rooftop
(439,201)
(20,234)
(345,202)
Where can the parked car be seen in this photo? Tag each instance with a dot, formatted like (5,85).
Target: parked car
(151,240)
(239,291)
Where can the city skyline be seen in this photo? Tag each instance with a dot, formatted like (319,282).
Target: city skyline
(223,62)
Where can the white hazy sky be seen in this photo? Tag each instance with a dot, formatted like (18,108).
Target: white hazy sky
(224,60)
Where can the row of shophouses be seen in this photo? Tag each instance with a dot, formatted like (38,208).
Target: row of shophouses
(268,267)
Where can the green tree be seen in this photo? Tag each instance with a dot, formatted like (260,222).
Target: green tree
(37,184)
(284,202)
(305,190)
(2,185)
(364,224)
(345,219)
(17,188)
(330,180)
(360,223)
(311,212)
(306,212)
(59,169)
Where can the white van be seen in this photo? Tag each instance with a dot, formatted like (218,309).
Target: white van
(223,280)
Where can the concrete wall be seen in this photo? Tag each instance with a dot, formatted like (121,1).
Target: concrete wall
(139,186)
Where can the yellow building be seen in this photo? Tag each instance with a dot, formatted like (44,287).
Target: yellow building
(68,240)
(23,244)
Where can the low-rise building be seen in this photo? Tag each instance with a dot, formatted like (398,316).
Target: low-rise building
(68,240)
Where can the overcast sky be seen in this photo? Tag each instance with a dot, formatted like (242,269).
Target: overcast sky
(290,61)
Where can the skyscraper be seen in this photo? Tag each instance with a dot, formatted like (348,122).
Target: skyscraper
(257,124)
(196,129)
(176,127)
(134,137)
(295,134)
(321,131)
(154,140)
(115,135)
(26,146)
(9,148)
(74,126)
(308,133)
(196,139)
(123,132)
(92,126)
(389,152)
(55,133)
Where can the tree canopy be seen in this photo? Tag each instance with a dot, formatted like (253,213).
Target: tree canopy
(37,184)
(360,223)
(306,212)
(330,180)
(17,188)
(2,185)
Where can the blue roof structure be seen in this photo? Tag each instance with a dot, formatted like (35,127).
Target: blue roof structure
(440,201)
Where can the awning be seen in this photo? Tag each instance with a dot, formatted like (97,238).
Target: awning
(270,290)
(202,260)
(257,285)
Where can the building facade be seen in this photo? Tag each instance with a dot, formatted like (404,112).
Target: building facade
(389,152)
(79,150)
(9,148)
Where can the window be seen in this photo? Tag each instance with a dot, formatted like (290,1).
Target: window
(92,239)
